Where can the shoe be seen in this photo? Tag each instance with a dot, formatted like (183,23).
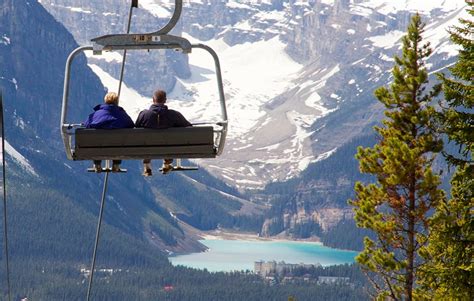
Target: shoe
(147,172)
(97,168)
(166,168)
(115,167)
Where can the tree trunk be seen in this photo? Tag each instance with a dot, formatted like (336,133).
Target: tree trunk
(411,240)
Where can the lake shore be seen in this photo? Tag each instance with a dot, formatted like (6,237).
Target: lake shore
(230,235)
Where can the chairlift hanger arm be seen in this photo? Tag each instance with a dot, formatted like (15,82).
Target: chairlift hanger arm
(157,39)
(178,8)
(220,87)
(67,75)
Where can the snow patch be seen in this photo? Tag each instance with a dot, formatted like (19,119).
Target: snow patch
(436,33)
(107,56)
(361,10)
(237,4)
(387,40)
(270,147)
(19,158)
(19,122)
(242,147)
(250,81)
(78,10)
(302,123)
(313,100)
(13,81)
(5,40)
(325,155)
(423,7)
(258,183)
(386,58)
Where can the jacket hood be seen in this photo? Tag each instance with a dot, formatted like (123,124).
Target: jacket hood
(107,107)
(158,108)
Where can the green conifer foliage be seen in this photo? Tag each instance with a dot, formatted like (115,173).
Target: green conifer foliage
(458,118)
(450,269)
(397,206)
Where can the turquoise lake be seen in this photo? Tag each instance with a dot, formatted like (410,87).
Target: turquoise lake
(231,255)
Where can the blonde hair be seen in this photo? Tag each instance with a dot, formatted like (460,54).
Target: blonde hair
(111,98)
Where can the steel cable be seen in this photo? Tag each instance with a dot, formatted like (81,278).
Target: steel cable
(106,179)
(97,235)
(134,4)
(5,229)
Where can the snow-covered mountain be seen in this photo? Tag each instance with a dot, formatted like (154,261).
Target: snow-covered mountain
(298,75)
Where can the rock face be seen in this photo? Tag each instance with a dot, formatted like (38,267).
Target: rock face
(31,75)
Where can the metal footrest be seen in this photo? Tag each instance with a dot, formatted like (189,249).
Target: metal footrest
(182,168)
(106,170)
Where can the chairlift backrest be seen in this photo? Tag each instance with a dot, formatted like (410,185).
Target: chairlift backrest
(139,143)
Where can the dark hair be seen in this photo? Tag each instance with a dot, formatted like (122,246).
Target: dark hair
(159,96)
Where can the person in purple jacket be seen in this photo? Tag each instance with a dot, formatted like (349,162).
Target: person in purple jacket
(158,116)
(109,116)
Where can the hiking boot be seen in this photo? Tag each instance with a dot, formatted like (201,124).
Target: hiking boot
(115,167)
(97,168)
(166,168)
(147,172)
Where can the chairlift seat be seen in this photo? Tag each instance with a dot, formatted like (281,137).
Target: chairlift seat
(140,143)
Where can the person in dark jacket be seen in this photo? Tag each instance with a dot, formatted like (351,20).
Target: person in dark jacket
(158,116)
(109,116)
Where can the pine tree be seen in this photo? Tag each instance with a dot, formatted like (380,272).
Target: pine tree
(457,120)
(450,269)
(397,206)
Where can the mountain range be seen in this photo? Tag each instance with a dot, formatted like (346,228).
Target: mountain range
(299,75)
(299,79)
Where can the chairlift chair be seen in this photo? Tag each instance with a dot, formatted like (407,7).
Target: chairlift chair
(139,143)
